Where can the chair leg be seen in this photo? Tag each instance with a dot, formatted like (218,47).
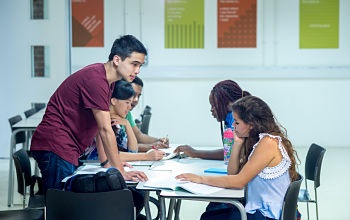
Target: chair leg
(24,192)
(316,204)
(308,215)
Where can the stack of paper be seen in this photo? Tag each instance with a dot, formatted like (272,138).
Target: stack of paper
(174,184)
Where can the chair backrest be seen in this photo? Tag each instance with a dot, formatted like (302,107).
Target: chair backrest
(30,112)
(39,105)
(20,136)
(313,163)
(145,123)
(23,214)
(146,111)
(290,202)
(89,206)
(23,170)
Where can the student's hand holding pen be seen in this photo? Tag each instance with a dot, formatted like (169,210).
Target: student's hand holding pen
(165,140)
(155,154)
(162,143)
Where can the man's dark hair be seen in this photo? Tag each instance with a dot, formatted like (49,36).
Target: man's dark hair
(125,45)
(138,81)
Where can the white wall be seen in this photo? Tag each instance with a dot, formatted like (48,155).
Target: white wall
(18,33)
(312,110)
(307,90)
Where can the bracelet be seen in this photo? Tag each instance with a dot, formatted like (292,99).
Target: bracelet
(104,163)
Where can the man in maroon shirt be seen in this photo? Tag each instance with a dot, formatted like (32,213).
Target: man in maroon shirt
(79,110)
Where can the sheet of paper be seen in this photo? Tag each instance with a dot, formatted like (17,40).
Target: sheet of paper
(174,184)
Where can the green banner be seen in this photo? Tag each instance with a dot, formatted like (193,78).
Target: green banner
(319,23)
(184,24)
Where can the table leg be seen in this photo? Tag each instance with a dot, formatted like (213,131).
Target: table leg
(162,210)
(147,208)
(171,208)
(10,181)
(177,209)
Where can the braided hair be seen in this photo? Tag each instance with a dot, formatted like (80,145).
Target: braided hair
(223,94)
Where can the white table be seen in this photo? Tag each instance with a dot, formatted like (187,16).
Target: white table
(26,125)
(192,165)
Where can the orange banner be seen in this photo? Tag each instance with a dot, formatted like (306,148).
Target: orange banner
(236,23)
(87,23)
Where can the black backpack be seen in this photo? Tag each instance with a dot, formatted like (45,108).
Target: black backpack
(102,181)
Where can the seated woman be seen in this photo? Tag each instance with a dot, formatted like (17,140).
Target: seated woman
(120,105)
(221,97)
(262,159)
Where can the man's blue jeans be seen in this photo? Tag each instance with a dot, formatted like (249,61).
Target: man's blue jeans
(53,169)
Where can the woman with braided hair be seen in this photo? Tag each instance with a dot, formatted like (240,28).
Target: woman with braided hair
(221,97)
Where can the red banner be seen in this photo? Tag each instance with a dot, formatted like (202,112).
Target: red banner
(236,23)
(87,23)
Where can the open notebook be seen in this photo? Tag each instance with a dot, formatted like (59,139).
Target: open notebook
(174,184)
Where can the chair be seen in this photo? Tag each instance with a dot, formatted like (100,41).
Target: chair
(138,123)
(313,165)
(29,134)
(25,179)
(89,206)
(39,105)
(23,214)
(30,112)
(290,202)
(144,127)
(146,110)
(20,136)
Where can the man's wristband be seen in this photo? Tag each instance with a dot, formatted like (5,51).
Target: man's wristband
(104,163)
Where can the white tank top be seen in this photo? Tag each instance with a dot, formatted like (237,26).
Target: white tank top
(265,192)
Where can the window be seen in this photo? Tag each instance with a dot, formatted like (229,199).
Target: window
(39,54)
(38,9)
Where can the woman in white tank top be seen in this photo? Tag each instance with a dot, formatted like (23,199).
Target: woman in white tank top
(262,159)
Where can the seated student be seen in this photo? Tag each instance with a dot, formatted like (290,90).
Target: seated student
(262,158)
(145,141)
(126,141)
(221,97)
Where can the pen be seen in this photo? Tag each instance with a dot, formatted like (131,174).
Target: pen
(153,147)
(165,140)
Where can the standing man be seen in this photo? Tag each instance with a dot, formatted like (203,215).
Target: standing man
(79,110)
(145,142)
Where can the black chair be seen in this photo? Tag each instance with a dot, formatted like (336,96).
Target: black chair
(138,123)
(144,127)
(30,112)
(20,136)
(89,206)
(290,202)
(313,165)
(146,110)
(23,214)
(29,134)
(145,118)
(39,105)
(25,179)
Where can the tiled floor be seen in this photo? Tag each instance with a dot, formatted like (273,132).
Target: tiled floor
(333,193)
